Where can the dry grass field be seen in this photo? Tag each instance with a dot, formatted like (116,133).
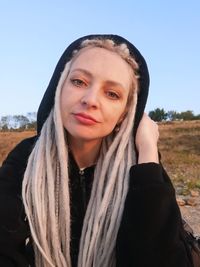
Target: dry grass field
(180,149)
(179,146)
(8,140)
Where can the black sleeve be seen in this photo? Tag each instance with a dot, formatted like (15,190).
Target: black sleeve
(151,232)
(13,228)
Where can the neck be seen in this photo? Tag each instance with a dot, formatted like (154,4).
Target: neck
(85,152)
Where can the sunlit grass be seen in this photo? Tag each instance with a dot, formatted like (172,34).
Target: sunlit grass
(179,146)
(8,140)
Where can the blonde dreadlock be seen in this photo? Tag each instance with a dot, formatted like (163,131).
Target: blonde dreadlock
(45,189)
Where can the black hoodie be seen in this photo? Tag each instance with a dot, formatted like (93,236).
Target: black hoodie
(48,99)
(151,232)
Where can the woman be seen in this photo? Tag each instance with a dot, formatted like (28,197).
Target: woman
(88,190)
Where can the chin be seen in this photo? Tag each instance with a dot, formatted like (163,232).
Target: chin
(83,136)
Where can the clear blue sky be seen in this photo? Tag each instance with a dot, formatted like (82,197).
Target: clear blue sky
(33,35)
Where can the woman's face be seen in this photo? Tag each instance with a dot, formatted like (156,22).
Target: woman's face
(95,93)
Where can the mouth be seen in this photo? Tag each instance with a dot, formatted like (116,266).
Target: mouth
(85,118)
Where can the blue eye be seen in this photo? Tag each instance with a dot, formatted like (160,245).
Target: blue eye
(78,82)
(112,95)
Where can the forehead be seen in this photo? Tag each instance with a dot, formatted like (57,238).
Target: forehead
(103,64)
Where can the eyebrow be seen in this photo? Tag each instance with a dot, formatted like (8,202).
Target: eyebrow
(90,75)
(84,71)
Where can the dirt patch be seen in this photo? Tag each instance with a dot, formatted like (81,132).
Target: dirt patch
(179,146)
(191,214)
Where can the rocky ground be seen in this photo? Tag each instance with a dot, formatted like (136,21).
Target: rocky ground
(190,209)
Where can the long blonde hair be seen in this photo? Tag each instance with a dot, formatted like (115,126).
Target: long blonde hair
(45,188)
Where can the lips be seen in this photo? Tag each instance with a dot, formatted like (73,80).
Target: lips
(85,118)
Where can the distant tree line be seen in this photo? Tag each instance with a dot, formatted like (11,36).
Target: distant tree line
(18,122)
(28,121)
(159,114)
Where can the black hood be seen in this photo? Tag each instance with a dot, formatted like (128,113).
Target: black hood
(48,98)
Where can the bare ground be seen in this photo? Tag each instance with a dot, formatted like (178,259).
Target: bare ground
(191,214)
(183,167)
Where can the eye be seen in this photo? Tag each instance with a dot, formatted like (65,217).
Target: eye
(78,82)
(112,95)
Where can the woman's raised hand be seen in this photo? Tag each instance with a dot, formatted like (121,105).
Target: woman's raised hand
(146,140)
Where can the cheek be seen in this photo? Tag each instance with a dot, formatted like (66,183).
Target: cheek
(66,98)
(115,116)
(64,106)
(62,103)
(66,92)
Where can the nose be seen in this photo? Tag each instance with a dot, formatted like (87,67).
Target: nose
(91,97)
